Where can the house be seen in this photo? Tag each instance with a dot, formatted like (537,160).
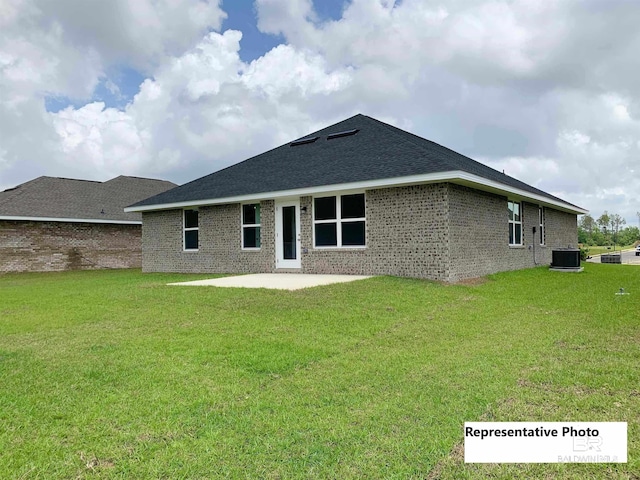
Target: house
(52,223)
(358,197)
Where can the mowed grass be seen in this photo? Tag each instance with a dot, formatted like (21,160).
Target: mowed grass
(113,374)
(595,250)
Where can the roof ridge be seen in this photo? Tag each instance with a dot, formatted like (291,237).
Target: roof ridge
(139,178)
(17,191)
(59,197)
(379,151)
(71,179)
(24,183)
(416,140)
(43,177)
(267,151)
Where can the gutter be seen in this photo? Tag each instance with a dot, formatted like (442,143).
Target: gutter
(70,220)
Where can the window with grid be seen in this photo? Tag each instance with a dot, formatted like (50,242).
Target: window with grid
(190,230)
(339,221)
(515,223)
(542,224)
(251,226)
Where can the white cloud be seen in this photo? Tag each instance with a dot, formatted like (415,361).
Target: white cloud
(548,91)
(196,108)
(285,71)
(98,139)
(596,160)
(63,49)
(573,138)
(141,33)
(484,40)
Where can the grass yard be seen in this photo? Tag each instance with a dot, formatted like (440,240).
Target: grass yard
(112,374)
(608,249)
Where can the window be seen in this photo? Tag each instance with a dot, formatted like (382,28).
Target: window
(515,223)
(251,226)
(190,230)
(541,219)
(339,221)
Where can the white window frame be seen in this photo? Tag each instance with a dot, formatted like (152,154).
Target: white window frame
(246,225)
(541,220)
(513,223)
(190,229)
(339,221)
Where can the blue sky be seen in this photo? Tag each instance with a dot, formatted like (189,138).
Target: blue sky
(241,15)
(126,79)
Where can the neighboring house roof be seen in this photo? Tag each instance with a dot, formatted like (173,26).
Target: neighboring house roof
(65,199)
(377,155)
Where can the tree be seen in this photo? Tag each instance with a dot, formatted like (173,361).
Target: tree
(615,221)
(586,228)
(603,221)
(629,235)
(583,236)
(588,223)
(598,238)
(606,230)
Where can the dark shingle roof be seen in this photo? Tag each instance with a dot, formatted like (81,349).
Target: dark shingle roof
(51,197)
(377,151)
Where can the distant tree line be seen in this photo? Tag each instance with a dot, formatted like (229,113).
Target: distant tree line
(607,229)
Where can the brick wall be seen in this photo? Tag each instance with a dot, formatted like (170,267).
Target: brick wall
(561,230)
(54,246)
(219,236)
(479,234)
(438,231)
(406,235)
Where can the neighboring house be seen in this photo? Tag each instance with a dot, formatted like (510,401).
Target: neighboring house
(358,197)
(63,224)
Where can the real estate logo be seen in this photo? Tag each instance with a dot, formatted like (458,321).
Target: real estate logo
(546,442)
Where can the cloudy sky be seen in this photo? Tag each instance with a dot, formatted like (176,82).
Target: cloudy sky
(548,91)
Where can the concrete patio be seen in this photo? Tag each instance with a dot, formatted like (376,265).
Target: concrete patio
(278,281)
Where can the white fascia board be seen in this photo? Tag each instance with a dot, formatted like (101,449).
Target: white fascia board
(455,176)
(298,192)
(481,183)
(69,220)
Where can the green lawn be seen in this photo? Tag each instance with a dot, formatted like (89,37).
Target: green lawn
(112,374)
(594,250)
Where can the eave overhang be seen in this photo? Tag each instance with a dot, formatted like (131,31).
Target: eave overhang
(457,177)
(69,220)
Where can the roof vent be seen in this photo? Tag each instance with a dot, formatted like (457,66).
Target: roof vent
(346,133)
(303,141)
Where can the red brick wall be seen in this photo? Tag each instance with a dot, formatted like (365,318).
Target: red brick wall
(54,246)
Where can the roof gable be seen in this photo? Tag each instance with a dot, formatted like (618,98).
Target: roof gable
(376,151)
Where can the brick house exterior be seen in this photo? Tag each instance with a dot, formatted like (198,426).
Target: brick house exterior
(449,224)
(27,246)
(53,224)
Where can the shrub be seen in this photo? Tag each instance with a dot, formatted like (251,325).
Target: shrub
(584,253)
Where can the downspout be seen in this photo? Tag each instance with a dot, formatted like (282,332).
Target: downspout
(533,243)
